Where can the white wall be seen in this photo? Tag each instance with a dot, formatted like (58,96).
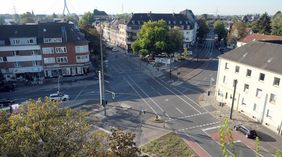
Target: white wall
(250,98)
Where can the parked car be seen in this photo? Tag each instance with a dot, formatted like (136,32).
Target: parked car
(59,96)
(6,103)
(7,87)
(248,132)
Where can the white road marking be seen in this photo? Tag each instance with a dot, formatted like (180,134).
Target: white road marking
(186,97)
(80,92)
(141,96)
(211,128)
(179,110)
(177,96)
(198,126)
(147,95)
(193,115)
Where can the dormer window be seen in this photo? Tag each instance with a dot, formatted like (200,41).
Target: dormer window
(169,22)
(180,22)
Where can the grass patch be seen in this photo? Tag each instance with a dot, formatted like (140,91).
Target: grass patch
(169,145)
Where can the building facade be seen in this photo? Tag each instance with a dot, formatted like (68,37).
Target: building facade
(257,68)
(42,50)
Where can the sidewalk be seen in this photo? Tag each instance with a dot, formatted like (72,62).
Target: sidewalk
(269,139)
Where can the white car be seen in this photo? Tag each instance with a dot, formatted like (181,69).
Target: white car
(59,96)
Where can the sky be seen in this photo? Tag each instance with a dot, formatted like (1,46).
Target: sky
(221,7)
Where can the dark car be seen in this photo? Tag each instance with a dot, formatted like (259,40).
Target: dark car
(6,87)
(6,102)
(248,132)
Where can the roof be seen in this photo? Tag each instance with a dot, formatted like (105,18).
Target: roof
(263,55)
(140,18)
(256,36)
(96,12)
(42,30)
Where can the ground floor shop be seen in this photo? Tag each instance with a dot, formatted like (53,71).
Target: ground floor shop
(66,71)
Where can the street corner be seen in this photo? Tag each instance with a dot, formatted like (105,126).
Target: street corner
(213,132)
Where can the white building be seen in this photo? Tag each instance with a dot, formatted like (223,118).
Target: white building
(257,68)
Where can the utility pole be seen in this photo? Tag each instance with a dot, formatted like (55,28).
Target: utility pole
(233,98)
(101,76)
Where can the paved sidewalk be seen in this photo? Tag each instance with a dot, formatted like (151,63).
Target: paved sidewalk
(270,140)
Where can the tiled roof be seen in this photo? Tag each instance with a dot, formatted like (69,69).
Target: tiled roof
(171,19)
(256,36)
(42,30)
(260,54)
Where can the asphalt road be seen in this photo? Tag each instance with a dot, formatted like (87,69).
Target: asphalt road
(172,99)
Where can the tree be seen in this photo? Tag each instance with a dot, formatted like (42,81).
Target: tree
(27,18)
(203,28)
(237,32)
(257,147)
(92,35)
(122,144)
(276,25)
(72,18)
(277,13)
(44,129)
(263,24)
(86,20)
(155,38)
(220,30)
(54,15)
(2,20)
(225,134)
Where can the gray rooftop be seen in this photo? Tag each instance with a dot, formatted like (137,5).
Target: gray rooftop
(263,55)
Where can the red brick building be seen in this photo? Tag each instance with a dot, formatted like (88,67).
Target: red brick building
(43,50)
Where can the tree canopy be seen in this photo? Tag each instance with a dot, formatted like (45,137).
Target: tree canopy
(262,25)
(220,30)
(27,17)
(276,24)
(155,38)
(203,28)
(86,20)
(2,20)
(45,129)
(237,32)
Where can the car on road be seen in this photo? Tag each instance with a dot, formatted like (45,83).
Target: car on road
(6,103)
(59,97)
(247,131)
(6,87)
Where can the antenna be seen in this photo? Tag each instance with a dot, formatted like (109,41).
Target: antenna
(66,8)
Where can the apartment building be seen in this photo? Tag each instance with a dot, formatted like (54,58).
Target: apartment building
(257,68)
(42,50)
(20,52)
(122,33)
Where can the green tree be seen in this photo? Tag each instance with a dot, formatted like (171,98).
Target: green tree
(92,35)
(278,153)
(27,18)
(220,30)
(276,25)
(263,24)
(45,129)
(86,20)
(155,38)
(277,13)
(203,28)
(72,18)
(257,147)
(54,15)
(2,20)
(122,144)
(225,135)
(237,32)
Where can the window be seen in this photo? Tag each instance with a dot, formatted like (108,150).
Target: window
(249,73)
(254,107)
(17,65)
(258,93)
(246,88)
(60,49)
(237,68)
(243,101)
(272,98)
(81,49)
(261,77)
(82,58)
(49,60)
(224,79)
(34,63)
(31,41)
(48,50)
(234,82)
(1,59)
(268,113)
(276,81)
(226,95)
(226,66)
(62,59)
(4,59)
(52,40)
